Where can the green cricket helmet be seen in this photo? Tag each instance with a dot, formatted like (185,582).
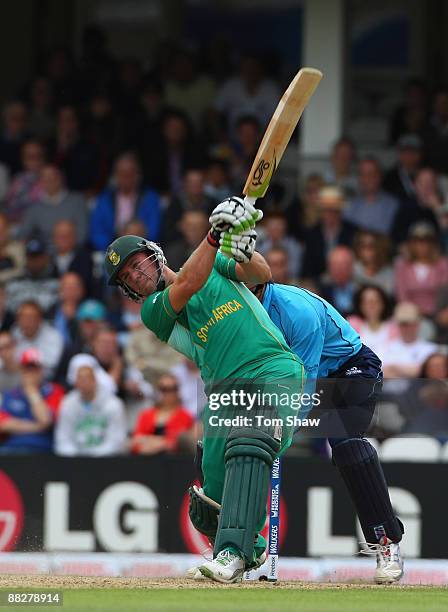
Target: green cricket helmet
(120,250)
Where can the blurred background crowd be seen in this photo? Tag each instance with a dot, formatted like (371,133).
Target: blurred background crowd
(99,147)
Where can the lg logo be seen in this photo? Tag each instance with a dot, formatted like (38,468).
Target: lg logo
(11,513)
(125,519)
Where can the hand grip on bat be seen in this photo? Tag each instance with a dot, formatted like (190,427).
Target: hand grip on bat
(235,215)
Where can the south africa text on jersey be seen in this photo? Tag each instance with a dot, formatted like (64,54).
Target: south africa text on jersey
(218,314)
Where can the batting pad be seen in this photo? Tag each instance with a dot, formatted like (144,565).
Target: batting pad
(248,460)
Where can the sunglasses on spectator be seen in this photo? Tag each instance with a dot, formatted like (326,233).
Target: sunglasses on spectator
(168,389)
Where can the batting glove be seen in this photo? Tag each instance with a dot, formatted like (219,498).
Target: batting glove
(234,215)
(240,246)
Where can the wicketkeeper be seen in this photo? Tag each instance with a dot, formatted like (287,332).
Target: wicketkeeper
(238,348)
(351,378)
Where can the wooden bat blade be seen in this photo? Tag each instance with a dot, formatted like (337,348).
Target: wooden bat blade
(279,131)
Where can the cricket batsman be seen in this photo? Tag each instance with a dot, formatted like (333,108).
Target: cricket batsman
(236,347)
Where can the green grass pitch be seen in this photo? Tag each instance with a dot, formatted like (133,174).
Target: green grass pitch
(257,600)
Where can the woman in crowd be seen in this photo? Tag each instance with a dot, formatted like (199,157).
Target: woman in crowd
(158,428)
(425,405)
(423,271)
(371,319)
(372,267)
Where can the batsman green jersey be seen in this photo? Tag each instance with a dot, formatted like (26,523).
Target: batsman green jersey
(231,334)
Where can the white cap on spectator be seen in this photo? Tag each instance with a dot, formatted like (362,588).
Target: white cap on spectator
(103,379)
(422,229)
(331,197)
(406,312)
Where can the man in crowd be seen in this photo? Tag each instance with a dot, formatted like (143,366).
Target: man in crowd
(406,354)
(193,227)
(399,180)
(128,199)
(38,281)
(29,410)
(339,288)
(330,231)
(55,204)
(32,331)
(278,262)
(91,421)
(373,209)
(69,256)
(9,369)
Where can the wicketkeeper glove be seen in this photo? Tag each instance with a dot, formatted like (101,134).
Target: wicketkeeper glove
(241,246)
(234,215)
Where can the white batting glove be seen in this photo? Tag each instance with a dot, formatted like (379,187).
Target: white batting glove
(240,246)
(234,215)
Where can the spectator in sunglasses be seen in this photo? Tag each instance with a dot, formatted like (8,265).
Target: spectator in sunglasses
(158,428)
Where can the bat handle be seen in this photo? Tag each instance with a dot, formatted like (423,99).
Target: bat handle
(250,200)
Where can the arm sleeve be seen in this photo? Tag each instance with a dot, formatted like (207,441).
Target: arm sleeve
(181,342)
(225,266)
(158,314)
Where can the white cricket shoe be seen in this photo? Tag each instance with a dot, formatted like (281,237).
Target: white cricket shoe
(389,564)
(226,567)
(194,573)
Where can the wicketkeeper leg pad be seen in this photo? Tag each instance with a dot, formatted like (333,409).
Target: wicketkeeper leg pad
(363,475)
(248,460)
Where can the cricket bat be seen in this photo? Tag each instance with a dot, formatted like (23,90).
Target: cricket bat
(279,131)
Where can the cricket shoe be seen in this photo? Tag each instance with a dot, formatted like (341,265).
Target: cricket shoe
(227,567)
(194,573)
(389,564)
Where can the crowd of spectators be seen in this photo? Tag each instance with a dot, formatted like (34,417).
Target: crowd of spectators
(93,149)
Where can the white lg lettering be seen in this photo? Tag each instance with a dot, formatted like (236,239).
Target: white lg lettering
(141,519)
(321,541)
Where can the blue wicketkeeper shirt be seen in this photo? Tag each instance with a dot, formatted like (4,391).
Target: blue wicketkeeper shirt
(312,327)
